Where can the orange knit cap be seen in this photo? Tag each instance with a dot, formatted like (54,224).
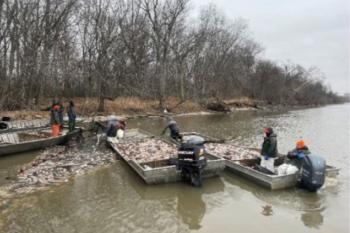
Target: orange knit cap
(300,144)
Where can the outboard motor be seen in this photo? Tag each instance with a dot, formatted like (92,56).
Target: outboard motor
(191,161)
(312,172)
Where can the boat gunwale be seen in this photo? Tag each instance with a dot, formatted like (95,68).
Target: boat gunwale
(55,140)
(38,140)
(27,128)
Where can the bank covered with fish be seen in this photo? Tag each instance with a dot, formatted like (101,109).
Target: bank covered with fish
(56,165)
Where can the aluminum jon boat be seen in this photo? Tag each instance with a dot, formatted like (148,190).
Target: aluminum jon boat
(243,165)
(151,157)
(245,168)
(29,140)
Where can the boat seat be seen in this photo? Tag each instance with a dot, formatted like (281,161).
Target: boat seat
(9,138)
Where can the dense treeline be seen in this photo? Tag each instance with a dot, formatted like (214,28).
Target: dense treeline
(146,48)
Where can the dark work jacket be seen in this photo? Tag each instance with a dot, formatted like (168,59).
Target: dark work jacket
(269,146)
(60,114)
(71,113)
(55,115)
(294,154)
(174,130)
(111,131)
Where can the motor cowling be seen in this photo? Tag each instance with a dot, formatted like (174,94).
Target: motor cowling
(312,172)
(191,148)
(191,161)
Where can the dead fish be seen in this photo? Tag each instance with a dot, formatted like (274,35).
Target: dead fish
(147,150)
(231,152)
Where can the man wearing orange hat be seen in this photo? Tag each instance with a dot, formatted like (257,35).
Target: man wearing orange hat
(300,150)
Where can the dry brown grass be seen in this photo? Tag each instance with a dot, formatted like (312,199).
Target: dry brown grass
(131,105)
(123,106)
(119,106)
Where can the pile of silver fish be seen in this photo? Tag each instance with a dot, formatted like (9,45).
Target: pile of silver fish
(147,150)
(231,152)
(57,165)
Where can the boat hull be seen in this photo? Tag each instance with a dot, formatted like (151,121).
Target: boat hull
(27,146)
(273,182)
(159,172)
(244,168)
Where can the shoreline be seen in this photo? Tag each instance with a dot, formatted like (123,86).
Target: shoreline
(132,107)
(40,115)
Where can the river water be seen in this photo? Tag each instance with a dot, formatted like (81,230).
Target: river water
(115,199)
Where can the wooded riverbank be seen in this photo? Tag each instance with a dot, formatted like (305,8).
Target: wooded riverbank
(149,49)
(132,107)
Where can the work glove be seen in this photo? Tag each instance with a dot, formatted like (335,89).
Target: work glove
(301,155)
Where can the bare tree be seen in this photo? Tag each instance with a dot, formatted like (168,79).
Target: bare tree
(163,17)
(145,48)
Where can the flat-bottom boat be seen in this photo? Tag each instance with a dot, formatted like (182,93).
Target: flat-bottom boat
(155,171)
(29,140)
(246,167)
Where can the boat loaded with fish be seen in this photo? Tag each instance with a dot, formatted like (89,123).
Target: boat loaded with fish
(245,162)
(156,160)
(29,140)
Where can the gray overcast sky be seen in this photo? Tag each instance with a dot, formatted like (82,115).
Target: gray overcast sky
(306,32)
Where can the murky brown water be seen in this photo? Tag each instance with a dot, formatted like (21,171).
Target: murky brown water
(116,200)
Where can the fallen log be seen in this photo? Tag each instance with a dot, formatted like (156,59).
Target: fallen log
(218,106)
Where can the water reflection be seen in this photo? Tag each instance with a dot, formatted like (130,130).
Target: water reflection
(312,208)
(188,201)
(191,208)
(309,205)
(267,210)
(312,219)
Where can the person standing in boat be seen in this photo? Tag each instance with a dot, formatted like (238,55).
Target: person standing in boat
(71,116)
(55,120)
(269,150)
(60,114)
(174,130)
